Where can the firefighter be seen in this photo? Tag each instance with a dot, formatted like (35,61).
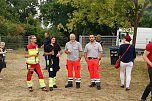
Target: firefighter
(46,42)
(32,62)
(92,54)
(53,51)
(73,49)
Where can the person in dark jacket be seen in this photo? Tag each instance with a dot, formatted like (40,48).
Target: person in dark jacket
(127,61)
(98,39)
(46,42)
(53,51)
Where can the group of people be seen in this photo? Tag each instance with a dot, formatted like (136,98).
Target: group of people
(52,52)
(92,54)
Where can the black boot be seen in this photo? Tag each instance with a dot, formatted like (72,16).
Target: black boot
(51,88)
(77,84)
(68,85)
(30,89)
(55,86)
(98,86)
(122,86)
(92,84)
(4,64)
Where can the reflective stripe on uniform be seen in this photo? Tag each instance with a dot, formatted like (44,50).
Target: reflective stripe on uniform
(92,80)
(29,83)
(32,60)
(42,83)
(51,82)
(54,81)
(77,79)
(97,80)
(70,79)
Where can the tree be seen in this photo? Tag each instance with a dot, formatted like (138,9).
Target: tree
(146,20)
(20,9)
(138,11)
(3,10)
(3,27)
(119,13)
(55,12)
(97,12)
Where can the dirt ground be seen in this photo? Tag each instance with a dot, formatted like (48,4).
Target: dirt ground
(13,86)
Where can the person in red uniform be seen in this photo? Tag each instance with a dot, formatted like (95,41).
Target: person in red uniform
(32,62)
(73,49)
(148,58)
(92,54)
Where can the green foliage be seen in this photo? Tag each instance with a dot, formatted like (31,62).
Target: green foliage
(20,9)
(99,12)
(35,30)
(9,28)
(62,38)
(146,20)
(55,12)
(105,12)
(78,16)
(13,13)
(4,8)
(3,27)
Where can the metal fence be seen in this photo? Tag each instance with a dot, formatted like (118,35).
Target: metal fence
(107,40)
(14,42)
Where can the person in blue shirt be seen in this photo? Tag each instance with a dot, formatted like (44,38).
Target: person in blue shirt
(127,61)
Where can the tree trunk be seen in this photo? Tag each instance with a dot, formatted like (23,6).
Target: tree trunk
(135,34)
(136,22)
(138,15)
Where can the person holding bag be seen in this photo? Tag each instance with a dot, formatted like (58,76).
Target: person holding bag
(127,55)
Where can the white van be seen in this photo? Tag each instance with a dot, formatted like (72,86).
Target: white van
(144,36)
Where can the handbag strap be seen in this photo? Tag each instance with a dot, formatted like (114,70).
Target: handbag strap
(125,51)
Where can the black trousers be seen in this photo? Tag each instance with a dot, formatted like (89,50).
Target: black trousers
(148,89)
(46,58)
(53,67)
(1,65)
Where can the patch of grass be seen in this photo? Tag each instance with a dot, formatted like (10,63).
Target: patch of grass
(13,86)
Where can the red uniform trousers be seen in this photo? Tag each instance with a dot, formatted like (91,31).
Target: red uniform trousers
(76,66)
(93,67)
(36,68)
